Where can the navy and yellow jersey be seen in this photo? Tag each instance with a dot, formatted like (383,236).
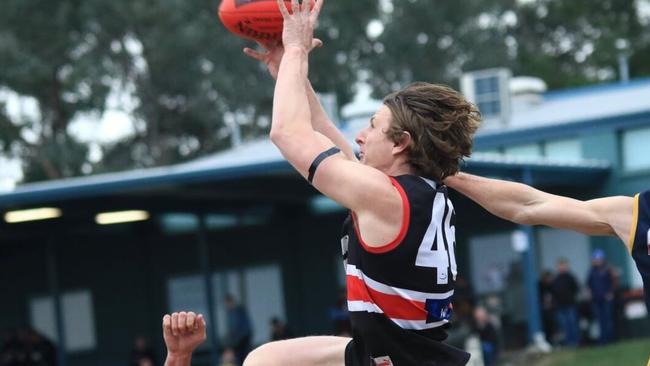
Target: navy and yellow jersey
(639,244)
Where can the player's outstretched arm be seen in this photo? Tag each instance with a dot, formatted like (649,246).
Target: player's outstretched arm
(363,189)
(271,56)
(183,332)
(526,205)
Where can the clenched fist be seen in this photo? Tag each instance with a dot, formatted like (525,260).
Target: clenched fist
(183,332)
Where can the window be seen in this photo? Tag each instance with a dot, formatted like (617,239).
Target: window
(177,223)
(259,288)
(490,260)
(529,150)
(552,245)
(568,150)
(487,95)
(78,319)
(636,149)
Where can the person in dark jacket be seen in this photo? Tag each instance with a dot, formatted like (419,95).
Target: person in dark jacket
(565,289)
(240,332)
(545,285)
(601,286)
(488,335)
(142,351)
(279,330)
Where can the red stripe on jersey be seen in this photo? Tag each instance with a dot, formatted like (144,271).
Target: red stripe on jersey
(393,306)
(357,290)
(406,219)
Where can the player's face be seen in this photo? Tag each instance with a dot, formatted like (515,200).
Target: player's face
(374,145)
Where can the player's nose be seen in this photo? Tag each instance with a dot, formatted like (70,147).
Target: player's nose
(360,138)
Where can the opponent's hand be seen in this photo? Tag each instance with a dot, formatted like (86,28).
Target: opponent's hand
(183,332)
(271,54)
(298,28)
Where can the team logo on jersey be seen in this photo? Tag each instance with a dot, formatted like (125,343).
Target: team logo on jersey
(438,310)
(382,361)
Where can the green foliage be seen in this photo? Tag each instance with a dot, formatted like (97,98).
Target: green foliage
(437,41)
(41,57)
(570,43)
(566,43)
(186,72)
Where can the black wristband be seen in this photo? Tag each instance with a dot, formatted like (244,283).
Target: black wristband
(319,159)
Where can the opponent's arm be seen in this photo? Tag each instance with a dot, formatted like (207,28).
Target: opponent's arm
(182,332)
(526,205)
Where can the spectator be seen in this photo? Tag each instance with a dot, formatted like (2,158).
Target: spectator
(145,361)
(141,351)
(619,303)
(464,300)
(515,317)
(564,289)
(26,347)
(546,298)
(488,335)
(239,328)
(228,357)
(601,286)
(279,330)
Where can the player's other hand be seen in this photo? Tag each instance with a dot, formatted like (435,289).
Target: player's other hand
(183,332)
(271,54)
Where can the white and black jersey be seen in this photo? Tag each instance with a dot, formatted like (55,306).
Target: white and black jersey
(399,295)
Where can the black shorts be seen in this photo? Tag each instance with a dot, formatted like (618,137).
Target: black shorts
(350,355)
(354,356)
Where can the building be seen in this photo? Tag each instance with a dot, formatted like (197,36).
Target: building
(243,222)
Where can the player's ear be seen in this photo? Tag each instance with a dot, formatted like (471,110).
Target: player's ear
(402,142)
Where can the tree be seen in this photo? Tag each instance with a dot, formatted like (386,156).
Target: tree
(48,63)
(565,43)
(186,74)
(570,43)
(437,42)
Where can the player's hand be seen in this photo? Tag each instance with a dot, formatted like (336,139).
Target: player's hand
(271,54)
(183,332)
(298,29)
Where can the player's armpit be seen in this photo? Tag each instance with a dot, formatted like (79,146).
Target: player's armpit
(617,212)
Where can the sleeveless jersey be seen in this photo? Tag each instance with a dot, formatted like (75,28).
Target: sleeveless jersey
(639,243)
(399,295)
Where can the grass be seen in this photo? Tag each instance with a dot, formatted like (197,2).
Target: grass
(631,353)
